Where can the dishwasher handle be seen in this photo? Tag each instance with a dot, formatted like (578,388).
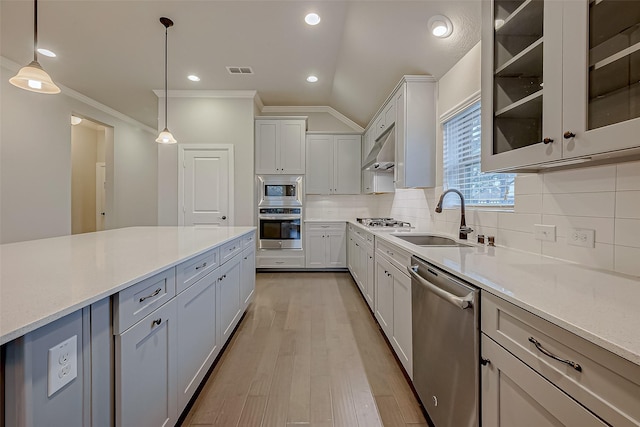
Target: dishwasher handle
(460,302)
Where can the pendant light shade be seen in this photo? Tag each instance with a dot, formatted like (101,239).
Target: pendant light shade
(32,77)
(165,137)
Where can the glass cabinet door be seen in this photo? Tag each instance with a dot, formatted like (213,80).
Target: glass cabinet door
(521,70)
(601,76)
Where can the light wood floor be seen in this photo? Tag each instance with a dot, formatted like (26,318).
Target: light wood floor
(308,352)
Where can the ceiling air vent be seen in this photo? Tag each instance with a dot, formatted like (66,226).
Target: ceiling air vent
(239,70)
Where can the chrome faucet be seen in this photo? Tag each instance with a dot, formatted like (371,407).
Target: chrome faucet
(464,230)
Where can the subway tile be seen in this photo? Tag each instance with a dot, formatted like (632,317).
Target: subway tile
(529,183)
(586,180)
(518,222)
(601,256)
(528,203)
(481,217)
(628,176)
(628,204)
(628,232)
(518,240)
(603,226)
(626,260)
(580,204)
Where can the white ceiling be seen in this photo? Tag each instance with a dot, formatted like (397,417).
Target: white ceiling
(112,51)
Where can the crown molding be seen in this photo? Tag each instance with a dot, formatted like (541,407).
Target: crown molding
(315,109)
(13,66)
(251,94)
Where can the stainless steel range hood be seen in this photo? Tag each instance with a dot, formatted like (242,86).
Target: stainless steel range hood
(382,154)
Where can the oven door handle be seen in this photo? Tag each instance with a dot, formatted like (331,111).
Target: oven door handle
(460,302)
(286,218)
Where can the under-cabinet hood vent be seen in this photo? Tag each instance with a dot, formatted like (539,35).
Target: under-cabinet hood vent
(239,70)
(382,154)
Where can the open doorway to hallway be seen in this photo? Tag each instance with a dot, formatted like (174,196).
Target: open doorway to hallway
(90,142)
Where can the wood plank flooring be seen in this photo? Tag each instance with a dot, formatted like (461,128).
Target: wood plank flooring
(307,353)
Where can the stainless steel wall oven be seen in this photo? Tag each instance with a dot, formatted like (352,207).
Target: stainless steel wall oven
(280,228)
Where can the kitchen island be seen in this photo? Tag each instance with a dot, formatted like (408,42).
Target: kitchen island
(105,294)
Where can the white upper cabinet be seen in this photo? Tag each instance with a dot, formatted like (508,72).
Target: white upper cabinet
(280,145)
(558,81)
(333,164)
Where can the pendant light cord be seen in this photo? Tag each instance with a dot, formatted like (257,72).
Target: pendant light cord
(166,29)
(35,30)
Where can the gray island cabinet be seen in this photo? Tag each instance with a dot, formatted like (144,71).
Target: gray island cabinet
(147,328)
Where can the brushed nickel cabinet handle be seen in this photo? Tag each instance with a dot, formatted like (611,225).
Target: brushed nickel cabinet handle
(156,292)
(201,266)
(547,353)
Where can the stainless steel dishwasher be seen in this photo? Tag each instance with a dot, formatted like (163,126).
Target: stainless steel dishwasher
(446,353)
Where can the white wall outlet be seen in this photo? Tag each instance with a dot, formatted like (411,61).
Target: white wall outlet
(544,232)
(63,364)
(584,237)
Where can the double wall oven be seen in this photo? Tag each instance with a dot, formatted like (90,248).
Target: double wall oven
(280,211)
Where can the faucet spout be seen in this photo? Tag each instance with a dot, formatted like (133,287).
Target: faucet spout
(464,230)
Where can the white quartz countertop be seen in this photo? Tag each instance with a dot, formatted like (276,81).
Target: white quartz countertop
(44,280)
(599,306)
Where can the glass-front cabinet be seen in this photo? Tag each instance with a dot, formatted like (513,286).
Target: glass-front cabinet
(560,80)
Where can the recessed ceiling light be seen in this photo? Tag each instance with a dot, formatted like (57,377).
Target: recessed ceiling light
(312,19)
(193,78)
(440,26)
(47,52)
(312,79)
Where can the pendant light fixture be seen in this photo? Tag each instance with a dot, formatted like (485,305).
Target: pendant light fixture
(32,77)
(165,136)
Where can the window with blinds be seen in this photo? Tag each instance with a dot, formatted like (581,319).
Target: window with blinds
(461,166)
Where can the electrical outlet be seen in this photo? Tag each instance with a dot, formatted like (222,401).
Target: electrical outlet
(63,364)
(584,237)
(546,233)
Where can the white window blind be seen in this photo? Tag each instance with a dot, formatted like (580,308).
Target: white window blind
(462,164)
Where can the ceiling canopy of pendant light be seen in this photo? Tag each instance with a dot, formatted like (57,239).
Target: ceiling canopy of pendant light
(32,77)
(165,137)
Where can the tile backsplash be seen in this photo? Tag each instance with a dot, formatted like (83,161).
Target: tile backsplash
(601,198)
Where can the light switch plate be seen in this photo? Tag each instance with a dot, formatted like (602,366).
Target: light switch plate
(544,232)
(63,364)
(584,237)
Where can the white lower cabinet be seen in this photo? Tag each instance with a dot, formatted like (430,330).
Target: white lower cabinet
(513,394)
(384,296)
(228,297)
(146,371)
(197,343)
(369,292)
(326,245)
(247,276)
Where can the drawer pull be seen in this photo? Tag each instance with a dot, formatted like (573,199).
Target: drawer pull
(279,262)
(156,292)
(201,266)
(546,352)
(156,322)
(390,253)
(232,249)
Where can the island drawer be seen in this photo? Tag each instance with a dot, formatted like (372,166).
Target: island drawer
(249,240)
(229,250)
(135,302)
(604,382)
(190,271)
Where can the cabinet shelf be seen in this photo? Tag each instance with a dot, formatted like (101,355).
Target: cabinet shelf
(616,56)
(526,63)
(526,20)
(528,107)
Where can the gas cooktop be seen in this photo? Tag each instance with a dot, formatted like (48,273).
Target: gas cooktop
(383,223)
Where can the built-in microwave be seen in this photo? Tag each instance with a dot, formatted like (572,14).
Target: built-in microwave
(280,190)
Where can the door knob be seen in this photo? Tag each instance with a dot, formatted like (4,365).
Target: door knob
(569,135)
(224,217)
(547,140)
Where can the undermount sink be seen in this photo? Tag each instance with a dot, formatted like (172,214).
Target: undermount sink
(429,240)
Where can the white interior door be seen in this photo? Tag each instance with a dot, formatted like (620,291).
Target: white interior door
(101,182)
(206,185)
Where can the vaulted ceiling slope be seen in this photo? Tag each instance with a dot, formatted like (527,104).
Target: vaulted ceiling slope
(112,51)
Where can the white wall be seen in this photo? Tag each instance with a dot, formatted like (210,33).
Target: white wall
(208,120)
(35,164)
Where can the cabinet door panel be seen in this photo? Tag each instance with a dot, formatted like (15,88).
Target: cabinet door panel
(371,269)
(315,249)
(228,298)
(248,276)
(402,325)
(146,371)
(196,337)
(347,164)
(292,147)
(384,296)
(513,394)
(336,246)
(319,164)
(267,134)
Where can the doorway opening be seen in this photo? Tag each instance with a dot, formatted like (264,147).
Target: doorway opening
(91,143)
